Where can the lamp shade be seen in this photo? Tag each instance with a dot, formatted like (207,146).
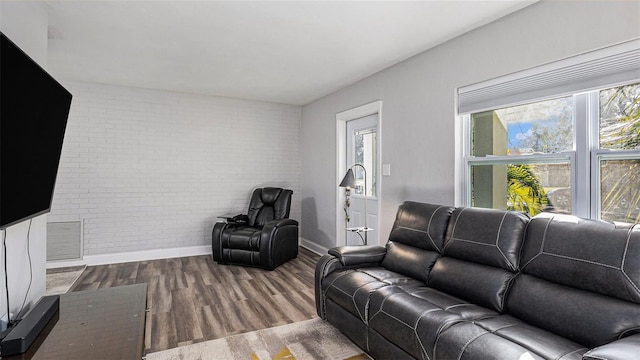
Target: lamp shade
(349,180)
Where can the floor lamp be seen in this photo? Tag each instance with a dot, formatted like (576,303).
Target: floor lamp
(349,182)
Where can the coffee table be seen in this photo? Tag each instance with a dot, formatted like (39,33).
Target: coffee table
(95,324)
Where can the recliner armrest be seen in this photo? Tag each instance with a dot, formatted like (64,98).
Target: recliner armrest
(627,348)
(240,219)
(371,255)
(280,223)
(278,240)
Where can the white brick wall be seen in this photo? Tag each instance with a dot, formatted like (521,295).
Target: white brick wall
(148,170)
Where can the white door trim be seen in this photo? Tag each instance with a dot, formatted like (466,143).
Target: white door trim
(341,161)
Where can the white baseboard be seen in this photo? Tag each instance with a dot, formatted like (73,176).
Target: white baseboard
(104,259)
(311,246)
(65,263)
(147,255)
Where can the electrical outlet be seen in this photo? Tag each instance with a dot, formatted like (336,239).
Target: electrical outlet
(4,321)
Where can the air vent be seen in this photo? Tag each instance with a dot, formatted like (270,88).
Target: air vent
(64,240)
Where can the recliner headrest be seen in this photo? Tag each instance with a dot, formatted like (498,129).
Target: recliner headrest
(269,204)
(269,195)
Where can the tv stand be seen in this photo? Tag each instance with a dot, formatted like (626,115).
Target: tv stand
(94,324)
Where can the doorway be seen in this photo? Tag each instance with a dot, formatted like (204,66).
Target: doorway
(358,139)
(362,145)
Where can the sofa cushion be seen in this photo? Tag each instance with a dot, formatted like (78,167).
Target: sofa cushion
(592,255)
(242,238)
(416,238)
(351,289)
(421,225)
(587,318)
(503,337)
(480,284)
(625,348)
(480,255)
(413,318)
(579,279)
(409,260)
(486,236)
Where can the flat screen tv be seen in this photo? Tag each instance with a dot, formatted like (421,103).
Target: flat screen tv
(33,114)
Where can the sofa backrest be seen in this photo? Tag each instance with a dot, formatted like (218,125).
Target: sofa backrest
(579,279)
(480,255)
(416,238)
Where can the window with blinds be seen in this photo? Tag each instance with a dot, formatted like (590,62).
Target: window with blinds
(564,137)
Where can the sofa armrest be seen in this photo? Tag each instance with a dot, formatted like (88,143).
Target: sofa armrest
(627,348)
(369,255)
(343,257)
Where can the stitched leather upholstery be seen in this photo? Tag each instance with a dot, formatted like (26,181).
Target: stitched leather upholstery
(461,287)
(267,240)
(626,348)
(503,337)
(595,256)
(416,239)
(269,204)
(573,266)
(359,255)
(481,255)
(413,318)
(499,286)
(349,291)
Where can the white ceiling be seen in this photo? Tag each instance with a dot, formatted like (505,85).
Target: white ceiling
(286,52)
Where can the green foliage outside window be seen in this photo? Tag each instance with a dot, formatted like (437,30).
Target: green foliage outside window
(620,130)
(524,191)
(620,118)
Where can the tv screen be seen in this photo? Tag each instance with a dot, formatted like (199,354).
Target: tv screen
(33,116)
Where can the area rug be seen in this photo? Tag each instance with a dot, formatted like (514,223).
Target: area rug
(310,339)
(60,280)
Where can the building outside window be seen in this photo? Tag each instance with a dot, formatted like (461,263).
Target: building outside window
(576,154)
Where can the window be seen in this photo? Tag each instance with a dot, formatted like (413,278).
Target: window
(365,143)
(576,154)
(617,157)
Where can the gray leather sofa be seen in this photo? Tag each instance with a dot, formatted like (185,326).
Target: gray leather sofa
(469,283)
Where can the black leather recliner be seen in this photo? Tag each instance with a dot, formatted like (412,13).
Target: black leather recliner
(265,237)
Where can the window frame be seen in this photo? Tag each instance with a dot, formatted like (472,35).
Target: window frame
(597,157)
(469,161)
(584,159)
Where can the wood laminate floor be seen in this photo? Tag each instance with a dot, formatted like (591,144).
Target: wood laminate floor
(194,299)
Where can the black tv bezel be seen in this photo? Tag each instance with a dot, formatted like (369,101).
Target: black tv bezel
(57,167)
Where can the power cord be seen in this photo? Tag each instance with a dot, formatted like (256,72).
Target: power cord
(30,269)
(6,278)
(10,322)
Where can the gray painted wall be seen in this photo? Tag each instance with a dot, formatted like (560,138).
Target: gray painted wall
(418,95)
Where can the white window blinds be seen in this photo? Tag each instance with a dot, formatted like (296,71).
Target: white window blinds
(605,67)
